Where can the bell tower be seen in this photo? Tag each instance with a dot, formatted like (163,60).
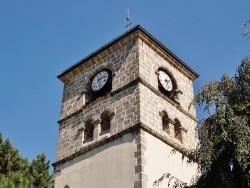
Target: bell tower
(125,107)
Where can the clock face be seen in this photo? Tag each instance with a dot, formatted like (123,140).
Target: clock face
(165,81)
(100,80)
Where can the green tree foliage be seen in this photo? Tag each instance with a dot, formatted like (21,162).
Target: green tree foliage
(225,134)
(246,31)
(17,172)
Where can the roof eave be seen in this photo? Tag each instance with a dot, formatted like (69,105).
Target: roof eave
(124,35)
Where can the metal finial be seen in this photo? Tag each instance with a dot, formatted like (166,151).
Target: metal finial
(128,20)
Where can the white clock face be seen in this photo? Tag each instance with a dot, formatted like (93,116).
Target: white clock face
(165,81)
(100,80)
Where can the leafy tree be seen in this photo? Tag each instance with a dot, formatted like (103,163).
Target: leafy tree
(39,171)
(17,172)
(222,154)
(246,32)
(225,134)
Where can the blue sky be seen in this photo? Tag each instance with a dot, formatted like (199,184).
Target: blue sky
(40,39)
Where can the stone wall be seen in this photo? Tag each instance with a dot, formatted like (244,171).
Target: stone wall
(149,63)
(151,105)
(160,160)
(122,101)
(125,107)
(110,165)
(134,62)
(136,105)
(122,62)
(153,102)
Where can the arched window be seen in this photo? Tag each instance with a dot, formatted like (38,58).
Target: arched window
(177,130)
(165,123)
(88,131)
(105,122)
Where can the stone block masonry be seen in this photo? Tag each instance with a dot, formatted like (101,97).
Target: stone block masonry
(135,107)
(123,64)
(134,98)
(123,100)
(126,113)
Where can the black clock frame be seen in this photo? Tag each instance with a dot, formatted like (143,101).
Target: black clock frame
(161,88)
(105,89)
(103,85)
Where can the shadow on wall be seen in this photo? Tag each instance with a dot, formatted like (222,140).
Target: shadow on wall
(113,150)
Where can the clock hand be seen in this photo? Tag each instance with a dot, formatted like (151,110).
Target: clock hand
(103,78)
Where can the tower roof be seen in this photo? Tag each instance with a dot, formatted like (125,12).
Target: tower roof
(142,32)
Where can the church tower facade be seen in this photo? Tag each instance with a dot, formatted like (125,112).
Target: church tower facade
(125,107)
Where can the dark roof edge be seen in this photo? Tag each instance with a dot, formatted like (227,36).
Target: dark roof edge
(165,48)
(104,47)
(124,35)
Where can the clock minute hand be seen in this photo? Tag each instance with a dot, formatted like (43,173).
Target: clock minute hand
(101,77)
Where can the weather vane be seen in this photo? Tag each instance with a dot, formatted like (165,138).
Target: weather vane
(128,20)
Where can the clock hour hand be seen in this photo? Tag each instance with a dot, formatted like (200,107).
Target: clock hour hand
(101,78)
(166,80)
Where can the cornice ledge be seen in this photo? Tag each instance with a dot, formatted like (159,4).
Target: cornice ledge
(96,144)
(112,93)
(169,141)
(174,103)
(177,146)
(165,53)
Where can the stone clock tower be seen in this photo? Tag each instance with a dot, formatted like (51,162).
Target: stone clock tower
(124,109)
